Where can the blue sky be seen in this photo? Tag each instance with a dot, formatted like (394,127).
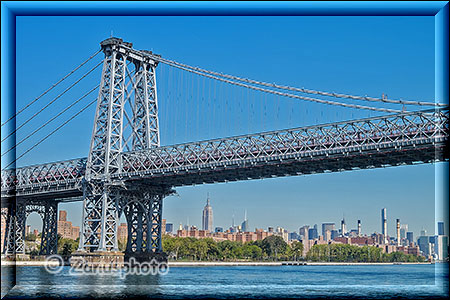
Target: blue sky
(357,55)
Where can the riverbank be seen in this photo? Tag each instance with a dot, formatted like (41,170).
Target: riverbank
(284,263)
(230,263)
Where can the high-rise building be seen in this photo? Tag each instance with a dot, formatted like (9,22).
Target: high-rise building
(440,228)
(303,231)
(27,230)
(207,219)
(244,226)
(410,237)
(441,247)
(65,228)
(359,227)
(312,233)
(62,215)
(343,227)
(122,232)
(398,232)
(327,226)
(403,231)
(384,224)
(169,228)
(334,234)
(424,245)
(163,226)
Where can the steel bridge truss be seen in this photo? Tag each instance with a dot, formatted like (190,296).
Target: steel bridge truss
(396,132)
(15,216)
(126,120)
(421,134)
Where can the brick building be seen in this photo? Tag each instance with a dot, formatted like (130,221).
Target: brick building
(65,228)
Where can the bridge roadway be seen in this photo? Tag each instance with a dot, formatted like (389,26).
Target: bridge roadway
(393,140)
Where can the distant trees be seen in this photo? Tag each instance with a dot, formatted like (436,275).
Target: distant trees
(31,237)
(275,248)
(353,253)
(189,248)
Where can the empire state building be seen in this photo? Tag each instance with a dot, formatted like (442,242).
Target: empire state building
(207,219)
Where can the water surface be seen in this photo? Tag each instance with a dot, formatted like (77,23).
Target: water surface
(367,281)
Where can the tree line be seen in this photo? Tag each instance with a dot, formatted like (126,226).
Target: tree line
(353,253)
(274,248)
(271,248)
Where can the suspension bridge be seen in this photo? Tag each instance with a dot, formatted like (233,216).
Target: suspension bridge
(127,171)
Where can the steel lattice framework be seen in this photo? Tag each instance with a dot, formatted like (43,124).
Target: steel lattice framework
(128,172)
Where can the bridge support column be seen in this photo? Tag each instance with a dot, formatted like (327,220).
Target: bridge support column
(15,229)
(8,237)
(49,239)
(144,218)
(100,218)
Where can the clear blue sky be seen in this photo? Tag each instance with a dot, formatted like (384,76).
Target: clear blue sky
(358,55)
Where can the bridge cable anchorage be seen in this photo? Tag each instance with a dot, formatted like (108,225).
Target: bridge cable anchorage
(302,90)
(53,86)
(49,121)
(286,94)
(51,102)
(51,133)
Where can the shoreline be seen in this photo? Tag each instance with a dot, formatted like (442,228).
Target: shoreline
(288,263)
(236,264)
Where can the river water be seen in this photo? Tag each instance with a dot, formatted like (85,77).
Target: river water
(366,281)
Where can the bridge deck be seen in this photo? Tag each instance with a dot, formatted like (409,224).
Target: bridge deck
(407,138)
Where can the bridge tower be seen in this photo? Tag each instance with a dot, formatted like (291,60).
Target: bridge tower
(126,119)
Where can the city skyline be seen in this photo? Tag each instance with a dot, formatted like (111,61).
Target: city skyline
(351,56)
(391,223)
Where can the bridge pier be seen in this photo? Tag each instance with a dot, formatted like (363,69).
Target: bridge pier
(142,207)
(16,216)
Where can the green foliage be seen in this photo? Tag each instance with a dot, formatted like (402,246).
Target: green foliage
(67,246)
(31,237)
(121,245)
(353,253)
(271,248)
(274,246)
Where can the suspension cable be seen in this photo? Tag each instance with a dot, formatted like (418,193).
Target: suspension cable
(51,133)
(302,90)
(286,94)
(49,121)
(54,85)
(51,102)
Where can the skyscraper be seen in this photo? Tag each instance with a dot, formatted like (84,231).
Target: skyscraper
(398,232)
(403,230)
(384,224)
(304,232)
(359,227)
(410,237)
(244,225)
(207,219)
(440,228)
(343,229)
(327,226)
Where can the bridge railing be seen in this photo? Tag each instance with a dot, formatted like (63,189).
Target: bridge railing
(51,173)
(412,127)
